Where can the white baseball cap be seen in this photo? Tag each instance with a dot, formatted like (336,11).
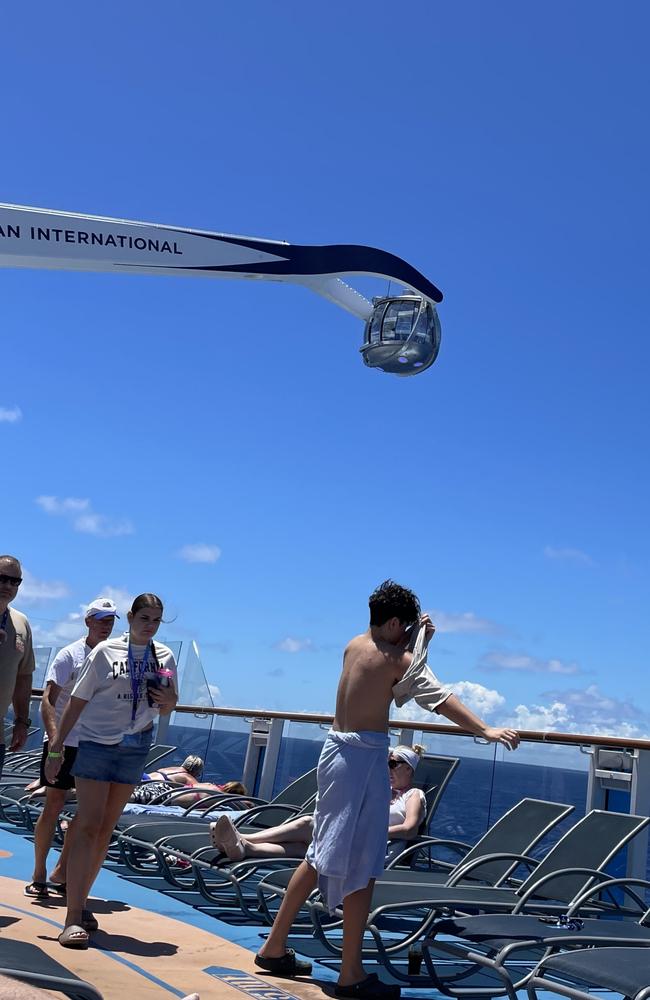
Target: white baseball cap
(101,607)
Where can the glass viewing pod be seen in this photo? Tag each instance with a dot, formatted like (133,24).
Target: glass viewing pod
(402,335)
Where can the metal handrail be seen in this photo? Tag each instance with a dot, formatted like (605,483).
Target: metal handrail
(527,735)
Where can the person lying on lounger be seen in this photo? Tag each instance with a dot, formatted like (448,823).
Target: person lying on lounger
(291,839)
(184,795)
(187,773)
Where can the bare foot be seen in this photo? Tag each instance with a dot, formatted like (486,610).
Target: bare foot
(226,838)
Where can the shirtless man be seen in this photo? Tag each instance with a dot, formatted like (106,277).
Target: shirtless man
(348,848)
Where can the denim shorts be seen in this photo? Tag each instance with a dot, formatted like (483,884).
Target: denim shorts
(122,763)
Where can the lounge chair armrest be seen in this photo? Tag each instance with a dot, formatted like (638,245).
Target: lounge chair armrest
(610,883)
(474,865)
(532,890)
(252,814)
(425,844)
(232,803)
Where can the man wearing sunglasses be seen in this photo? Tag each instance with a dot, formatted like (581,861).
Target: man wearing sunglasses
(16,657)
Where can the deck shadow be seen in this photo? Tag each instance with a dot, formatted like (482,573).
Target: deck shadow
(122,944)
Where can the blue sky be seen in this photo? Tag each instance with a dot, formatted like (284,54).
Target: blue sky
(500,148)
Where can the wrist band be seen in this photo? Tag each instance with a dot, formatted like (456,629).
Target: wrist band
(53,755)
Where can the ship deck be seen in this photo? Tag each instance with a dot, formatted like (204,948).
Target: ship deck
(150,943)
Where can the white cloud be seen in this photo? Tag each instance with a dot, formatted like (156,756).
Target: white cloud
(58,633)
(584,710)
(524,663)
(215,694)
(78,511)
(292,645)
(569,555)
(484,701)
(33,591)
(69,505)
(199,553)
(10,416)
(465,621)
(542,717)
(101,525)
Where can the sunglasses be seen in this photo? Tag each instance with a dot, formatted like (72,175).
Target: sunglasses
(394,763)
(15,581)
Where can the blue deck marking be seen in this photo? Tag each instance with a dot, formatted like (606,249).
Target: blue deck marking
(250,985)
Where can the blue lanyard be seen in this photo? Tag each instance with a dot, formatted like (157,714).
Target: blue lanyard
(136,675)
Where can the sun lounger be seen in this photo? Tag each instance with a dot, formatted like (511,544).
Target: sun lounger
(139,841)
(509,945)
(28,963)
(570,867)
(223,882)
(622,970)
(516,833)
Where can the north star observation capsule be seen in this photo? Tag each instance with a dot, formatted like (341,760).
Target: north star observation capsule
(402,331)
(402,335)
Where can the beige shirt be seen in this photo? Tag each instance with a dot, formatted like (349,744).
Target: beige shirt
(419,683)
(16,657)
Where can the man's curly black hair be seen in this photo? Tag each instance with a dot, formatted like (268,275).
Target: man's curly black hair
(390,600)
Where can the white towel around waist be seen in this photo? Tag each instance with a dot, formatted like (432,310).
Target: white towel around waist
(351,815)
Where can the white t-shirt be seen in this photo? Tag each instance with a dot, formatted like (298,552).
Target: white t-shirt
(105,683)
(64,670)
(397,814)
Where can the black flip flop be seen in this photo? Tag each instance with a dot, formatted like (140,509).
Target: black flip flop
(287,965)
(57,887)
(36,890)
(368,989)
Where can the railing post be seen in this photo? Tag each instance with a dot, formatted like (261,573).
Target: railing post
(637,852)
(625,771)
(164,722)
(270,765)
(256,741)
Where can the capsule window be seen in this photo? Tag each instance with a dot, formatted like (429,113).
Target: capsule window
(398,321)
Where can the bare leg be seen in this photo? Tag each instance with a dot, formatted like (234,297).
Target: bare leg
(44,831)
(60,870)
(92,797)
(298,831)
(302,883)
(118,796)
(287,841)
(356,907)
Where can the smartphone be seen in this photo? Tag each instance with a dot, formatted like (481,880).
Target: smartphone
(153,683)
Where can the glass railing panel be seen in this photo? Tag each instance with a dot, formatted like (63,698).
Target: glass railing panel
(541,771)
(226,750)
(465,806)
(299,751)
(42,657)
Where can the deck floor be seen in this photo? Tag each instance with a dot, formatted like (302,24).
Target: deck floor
(151,943)
(148,945)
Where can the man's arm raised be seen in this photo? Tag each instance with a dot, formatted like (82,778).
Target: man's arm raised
(457,712)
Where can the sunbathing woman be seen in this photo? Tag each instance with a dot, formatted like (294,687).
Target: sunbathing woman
(187,773)
(291,839)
